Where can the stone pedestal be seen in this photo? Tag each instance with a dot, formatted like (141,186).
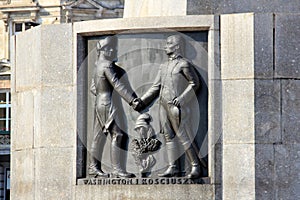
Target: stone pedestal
(253,122)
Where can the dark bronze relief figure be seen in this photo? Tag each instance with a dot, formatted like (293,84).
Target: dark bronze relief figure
(175,86)
(109,114)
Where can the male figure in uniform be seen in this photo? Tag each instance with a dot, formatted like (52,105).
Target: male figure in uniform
(175,86)
(109,84)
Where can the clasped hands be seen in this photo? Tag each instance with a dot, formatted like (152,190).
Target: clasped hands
(137,104)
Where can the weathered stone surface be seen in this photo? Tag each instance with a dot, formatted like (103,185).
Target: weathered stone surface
(287,167)
(263,45)
(238,171)
(146,192)
(258,6)
(287,50)
(56,58)
(28,62)
(216,173)
(215,131)
(22,173)
(54,173)
(137,8)
(232,6)
(55,122)
(164,22)
(237,46)
(267,111)
(41,62)
(3,50)
(214,61)
(264,171)
(290,111)
(196,7)
(215,111)
(23,120)
(238,111)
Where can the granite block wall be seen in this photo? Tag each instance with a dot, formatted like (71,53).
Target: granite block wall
(200,7)
(43,134)
(277,116)
(268,60)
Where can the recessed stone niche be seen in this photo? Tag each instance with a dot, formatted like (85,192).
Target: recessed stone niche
(141,53)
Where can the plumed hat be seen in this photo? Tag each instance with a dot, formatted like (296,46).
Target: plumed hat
(143,120)
(109,40)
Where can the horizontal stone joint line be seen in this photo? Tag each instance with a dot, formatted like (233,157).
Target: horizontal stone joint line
(237,79)
(54,147)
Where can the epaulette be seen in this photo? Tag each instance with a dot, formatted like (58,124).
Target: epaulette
(118,64)
(183,60)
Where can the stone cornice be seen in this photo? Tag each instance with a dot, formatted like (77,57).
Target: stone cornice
(19,8)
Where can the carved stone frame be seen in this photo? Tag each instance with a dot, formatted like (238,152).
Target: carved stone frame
(210,23)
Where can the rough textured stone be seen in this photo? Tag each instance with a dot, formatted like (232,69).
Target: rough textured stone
(214,61)
(52,62)
(55,122)
(28,67)
(215,111)
(196,7)
(264,171)
(56,58)
(238,171)
(237,46)
(287,50)
(215,131)
(263,45)
(290,111)
(97,27)
(146,192)
(238,111)
(137,8)
(287,167)
(22,172)
(258,6)
(54,173)
(267,111)
(216,174)
(232,6)
(23,120)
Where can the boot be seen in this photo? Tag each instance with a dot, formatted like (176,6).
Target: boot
(115,154)
(120,173)
(95,154)
(95,169)
(196,170)
(172,170)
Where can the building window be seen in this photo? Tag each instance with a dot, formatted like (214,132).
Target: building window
(19,27)
(5,111)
